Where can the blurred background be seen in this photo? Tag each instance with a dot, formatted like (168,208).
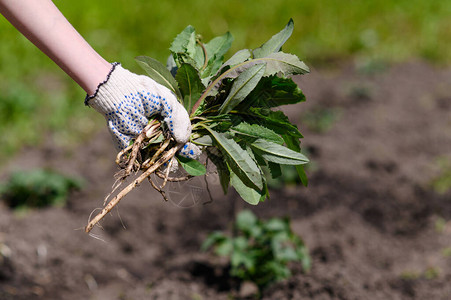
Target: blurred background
(376,216)
(326,33)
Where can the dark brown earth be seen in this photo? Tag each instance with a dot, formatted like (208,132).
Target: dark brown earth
(374,226)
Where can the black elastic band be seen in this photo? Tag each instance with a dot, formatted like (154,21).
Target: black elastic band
(100,84)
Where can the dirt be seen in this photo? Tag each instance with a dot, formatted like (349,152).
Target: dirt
(374,227)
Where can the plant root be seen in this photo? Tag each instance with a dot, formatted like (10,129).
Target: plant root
(130,163)
(173,179)
(167,156)
(158,189)
(147,154)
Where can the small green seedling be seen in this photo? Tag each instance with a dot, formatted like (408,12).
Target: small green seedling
(261,250)
(37,188)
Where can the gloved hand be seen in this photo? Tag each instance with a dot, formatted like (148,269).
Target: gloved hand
(127,100)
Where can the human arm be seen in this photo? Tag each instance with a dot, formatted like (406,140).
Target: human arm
(125,99)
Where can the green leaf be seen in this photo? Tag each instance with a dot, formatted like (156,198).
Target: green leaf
(257,131)
(185,49)
(294,144)
(248,225)
(246,220)
(185,41)
(191,166)
(278,154)
(278,224)
(240,244)
(204,141)
(287,254)
(258,159)
(198,57)
(238,58)
(158,72)
(190,84)
(277,270)
(275,170)
(285,63)
(216,49)
(224,248)
(303,256)
(224,179)
(241,258)
(221,168)
(183,58)
(273,91)
(213,239)
(242,86)
(274,120)
(302,175)
(248,194)
(238,160)
(275,42)
(284,91)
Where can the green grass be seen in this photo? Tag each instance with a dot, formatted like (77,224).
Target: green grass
(392,30)
(44,100)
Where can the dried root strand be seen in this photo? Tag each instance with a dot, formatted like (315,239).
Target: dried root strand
(135,150)
(158,189)
(168,169)
(173,179)
(155,156)
(121,160)
(127,158)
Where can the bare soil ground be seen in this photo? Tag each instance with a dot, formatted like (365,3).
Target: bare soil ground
(368,216)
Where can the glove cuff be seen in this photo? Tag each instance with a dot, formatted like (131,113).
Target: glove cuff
(89,97)
(109,93)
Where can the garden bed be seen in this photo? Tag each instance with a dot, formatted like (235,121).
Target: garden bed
(374,226)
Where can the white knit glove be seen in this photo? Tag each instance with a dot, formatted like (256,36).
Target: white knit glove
(127,100)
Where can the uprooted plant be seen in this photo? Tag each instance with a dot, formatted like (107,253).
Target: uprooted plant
(231,106)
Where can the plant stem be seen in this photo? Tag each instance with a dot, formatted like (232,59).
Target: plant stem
(205,54)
